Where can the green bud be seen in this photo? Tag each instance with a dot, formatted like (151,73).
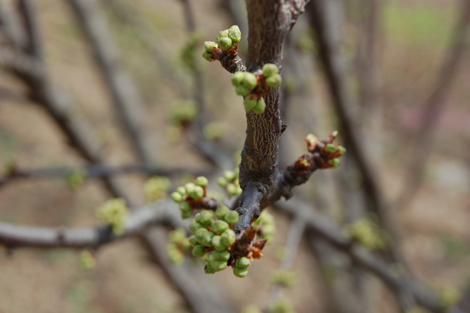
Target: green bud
(200,234)
(208,56)
(186,213)
(330,148)
(177,197)
(221,211)
(225,43)
(197,193)
(181,191)
(216,264)
(335,162)
(219,226)
(232,189)
(189,187)
(243,262)
(235,34)
(193,241)
(204,218)
(199,250)
(260,106)
(231,218)
(229,175)
(341,150)
(209,270)
(249,104)
(194,227)
(221,34)
(237,78)
(207,239)
(270,70)
(221,255)
(242,90)
(184,206)
(222,182)
(228,238)
(209,46)
(217,244)
(240,272)
(202,181)
(250,81)
(274,81)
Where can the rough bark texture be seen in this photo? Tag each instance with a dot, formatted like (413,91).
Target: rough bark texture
(268,23)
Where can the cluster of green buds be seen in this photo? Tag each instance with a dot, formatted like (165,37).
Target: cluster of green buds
(156,188)
(331,151)
(265,225)
(76,179)
(213,234)
(241,267)
(190,194)
(281,306)
(183,112)
(369,234)
(254,85)
(284,277)
(114,212)
(230,182)
(87,260)
(226,40)
(178,246)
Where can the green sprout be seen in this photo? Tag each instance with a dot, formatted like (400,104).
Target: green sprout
(183,112)
(179,245)
(369,234)
(114,212)
(156,188)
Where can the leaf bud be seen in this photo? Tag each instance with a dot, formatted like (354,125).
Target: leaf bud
(201,181)
(209,46)
(209,270)
(221,211)
(177,197)
(330,148)
(207,239)
(249,104)
(197,193)
(342,150)
(186,213)
(222,182)
(221,34)
(270,69)
(228,238)
(242,262)
(242,90)
(217,265)
(274,81)
(260,106)
(229,175)
(204,218)
(217,243)
(193,241)
(235,34)
(194,227)
(231,218)
(219,226)
(189,188)
(237,78)
(200,234)
(208,56)
(240,272)
(250,81)
(335,162)
(225,43)
(181,190)
(221,255)
(199,250)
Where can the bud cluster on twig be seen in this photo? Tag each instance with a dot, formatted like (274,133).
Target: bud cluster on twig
(156,188)
(114,212)
(190,196)
(230,182)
